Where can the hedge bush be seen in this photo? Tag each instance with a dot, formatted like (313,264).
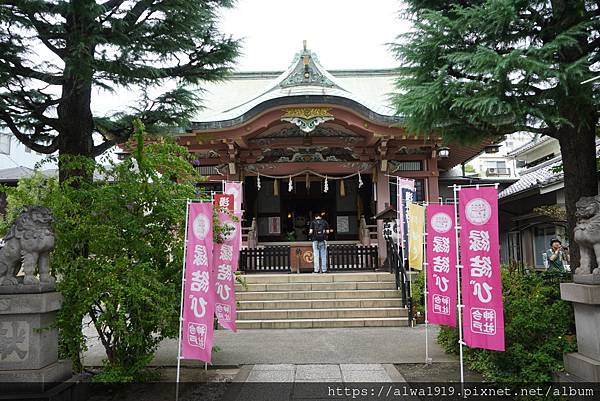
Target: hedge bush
(539,328)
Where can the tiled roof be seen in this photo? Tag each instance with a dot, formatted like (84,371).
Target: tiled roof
(529,145)
(291,83)
(539,176)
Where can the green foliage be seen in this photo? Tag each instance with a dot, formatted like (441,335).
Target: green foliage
(418,293)
(477,69)
(55,56)
(539,328)
(118,252)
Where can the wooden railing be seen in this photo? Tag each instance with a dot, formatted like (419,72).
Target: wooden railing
(352,257)
(270,259)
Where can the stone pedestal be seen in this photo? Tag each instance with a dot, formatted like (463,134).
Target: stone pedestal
(585,363)
(28,344)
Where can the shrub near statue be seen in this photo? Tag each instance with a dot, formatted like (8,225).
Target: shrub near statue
(30,240)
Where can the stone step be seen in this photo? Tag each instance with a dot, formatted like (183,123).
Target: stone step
(315,294)
(320,303)
(332,313)
(326,286)
(322,323)
(317,278)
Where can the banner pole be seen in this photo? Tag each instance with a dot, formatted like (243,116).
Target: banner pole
(187,213)
(459,305)
(425,290)
(406,260)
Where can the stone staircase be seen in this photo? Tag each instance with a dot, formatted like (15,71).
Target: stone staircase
(294,301)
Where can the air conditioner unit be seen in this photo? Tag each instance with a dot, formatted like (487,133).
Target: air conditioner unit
(492,170)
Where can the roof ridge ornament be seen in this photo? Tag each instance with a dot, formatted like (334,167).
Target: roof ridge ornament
(307,118)
(307,71)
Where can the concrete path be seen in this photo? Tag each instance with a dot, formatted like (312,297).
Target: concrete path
(289,382)
(377,345)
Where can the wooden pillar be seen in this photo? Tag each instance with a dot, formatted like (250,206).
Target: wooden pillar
(383,199)
(433,190)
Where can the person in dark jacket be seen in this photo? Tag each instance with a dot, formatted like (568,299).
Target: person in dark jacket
(318,230)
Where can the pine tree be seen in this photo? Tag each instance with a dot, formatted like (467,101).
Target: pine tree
(475,69)
(55,54)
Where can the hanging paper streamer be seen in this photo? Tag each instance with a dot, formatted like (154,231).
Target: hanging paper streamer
(290,185)
(258,182)
(360,181)
(225,262)
(342,188)
(441,265)
(198,294)
(483,317)
(326,188)
(276,188)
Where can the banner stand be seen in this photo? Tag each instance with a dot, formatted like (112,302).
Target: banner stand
(428,360)
(187,212)
(459,304)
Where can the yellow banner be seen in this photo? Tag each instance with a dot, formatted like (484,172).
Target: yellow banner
(416,228)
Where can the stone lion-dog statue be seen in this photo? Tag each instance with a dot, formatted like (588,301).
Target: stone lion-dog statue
(587,233)
(28,244)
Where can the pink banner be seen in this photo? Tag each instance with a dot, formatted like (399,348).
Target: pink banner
(198,295)
(483,316)
(235,189)
(225,261)
(441,265)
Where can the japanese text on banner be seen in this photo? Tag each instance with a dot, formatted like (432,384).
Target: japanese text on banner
(441,265)
(483,316)
(225,260)
(405,195)
(198,295)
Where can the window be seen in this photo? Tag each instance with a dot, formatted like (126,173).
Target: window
(419,191)
(495,164)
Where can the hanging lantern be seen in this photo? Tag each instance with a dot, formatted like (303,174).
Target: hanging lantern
(290,185)
(360,181)
(326,185)
(307,182)
(276,187)
(342,188)
(258,182)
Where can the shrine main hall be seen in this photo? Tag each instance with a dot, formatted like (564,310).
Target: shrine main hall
(307,141)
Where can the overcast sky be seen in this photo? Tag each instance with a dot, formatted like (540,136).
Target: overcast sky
(345,34)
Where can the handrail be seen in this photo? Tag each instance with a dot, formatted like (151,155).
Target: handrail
(397,267)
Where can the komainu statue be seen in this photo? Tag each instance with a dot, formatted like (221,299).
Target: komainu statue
(29,243)
(587,233)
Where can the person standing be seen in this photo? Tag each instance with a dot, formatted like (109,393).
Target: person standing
(556,257)
(318,230)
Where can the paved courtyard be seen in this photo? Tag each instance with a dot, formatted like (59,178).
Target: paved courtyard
(376,345)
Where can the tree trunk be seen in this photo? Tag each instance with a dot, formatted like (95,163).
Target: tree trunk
(76,129)
(74,111)
(578,149)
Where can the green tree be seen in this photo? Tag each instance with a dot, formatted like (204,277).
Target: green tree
(130,221)
(478,69)
(55,55)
